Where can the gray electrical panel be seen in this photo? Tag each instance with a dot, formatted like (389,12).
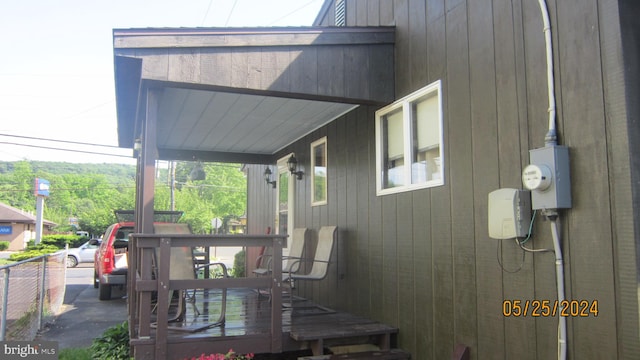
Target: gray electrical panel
(554,162)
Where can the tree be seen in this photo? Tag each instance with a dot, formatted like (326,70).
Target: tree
(91,192)
(222,193)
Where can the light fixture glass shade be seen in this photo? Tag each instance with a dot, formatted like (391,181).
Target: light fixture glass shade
(292,163)
(198,173)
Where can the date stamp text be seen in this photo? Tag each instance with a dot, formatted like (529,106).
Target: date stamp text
(550,308)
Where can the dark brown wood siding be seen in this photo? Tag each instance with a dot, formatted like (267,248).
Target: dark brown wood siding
(422,260)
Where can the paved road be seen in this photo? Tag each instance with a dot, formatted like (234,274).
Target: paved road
(83,317)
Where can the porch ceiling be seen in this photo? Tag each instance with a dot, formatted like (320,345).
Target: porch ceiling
(204,124)
(242,95)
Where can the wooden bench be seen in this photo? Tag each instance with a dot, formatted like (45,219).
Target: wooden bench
(317,337)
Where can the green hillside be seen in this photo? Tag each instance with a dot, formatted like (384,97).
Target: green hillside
(87,194)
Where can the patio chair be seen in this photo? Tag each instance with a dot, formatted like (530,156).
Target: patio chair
(291,262)
(319,264)
(183,267)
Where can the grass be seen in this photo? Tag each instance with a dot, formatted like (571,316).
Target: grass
(75,354)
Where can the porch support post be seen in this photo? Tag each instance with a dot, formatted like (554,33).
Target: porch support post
(139,303)
(147,159)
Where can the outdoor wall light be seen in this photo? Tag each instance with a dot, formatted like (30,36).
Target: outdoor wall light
(292,163)
(267,177)
(197,173)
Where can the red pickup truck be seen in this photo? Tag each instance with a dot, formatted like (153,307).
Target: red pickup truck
(111,263)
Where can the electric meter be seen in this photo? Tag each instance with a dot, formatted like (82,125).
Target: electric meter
(536,177)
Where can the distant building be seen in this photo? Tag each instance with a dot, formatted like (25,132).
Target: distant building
(18,226)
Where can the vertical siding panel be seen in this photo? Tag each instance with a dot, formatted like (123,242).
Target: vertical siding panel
(490,329)
(403,53)
(184,65)
(441,294)
(362,276)
(621,142)
(350,262)
(343,207)
(406,264)
(351,12)
(389,261)
(375,237)
(436,43)
(355,61)
(303,71)
(584,128)
(461,170)
(380,86)
(387,16)
(423,273)
(239,67)
(215,67)
(418,45)
(361,12)
(442,302)
(331,64)
(373,12)
(518,285)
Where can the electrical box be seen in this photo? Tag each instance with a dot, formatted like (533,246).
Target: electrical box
(509,213)
(547,177)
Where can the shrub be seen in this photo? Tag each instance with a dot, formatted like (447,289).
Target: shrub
(4,245)
(113,344)
(60,240)
(33,251)
(238,264)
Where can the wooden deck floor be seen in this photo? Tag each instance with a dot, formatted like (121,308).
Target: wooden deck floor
(247,325)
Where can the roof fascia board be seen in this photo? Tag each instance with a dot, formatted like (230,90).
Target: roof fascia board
(247,37)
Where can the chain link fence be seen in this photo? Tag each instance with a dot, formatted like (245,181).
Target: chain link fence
(31,293)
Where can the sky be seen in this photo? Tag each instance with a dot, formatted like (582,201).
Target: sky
(56,68)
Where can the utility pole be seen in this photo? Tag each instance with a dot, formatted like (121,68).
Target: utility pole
(172,174)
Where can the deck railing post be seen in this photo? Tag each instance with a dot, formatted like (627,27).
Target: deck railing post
(276,297)
(164,271)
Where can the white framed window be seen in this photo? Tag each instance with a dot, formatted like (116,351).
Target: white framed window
(319,172)
(409,153)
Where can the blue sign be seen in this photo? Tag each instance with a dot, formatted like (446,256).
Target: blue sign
(6,230)
(42,187)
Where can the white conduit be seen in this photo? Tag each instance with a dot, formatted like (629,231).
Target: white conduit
(551,140)
(562,321)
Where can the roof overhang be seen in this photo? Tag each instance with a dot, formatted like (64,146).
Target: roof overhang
(243,94)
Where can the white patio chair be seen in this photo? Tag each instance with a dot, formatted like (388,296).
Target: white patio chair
(319,264)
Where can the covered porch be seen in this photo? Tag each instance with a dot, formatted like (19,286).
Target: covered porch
(253,322)
(241,96)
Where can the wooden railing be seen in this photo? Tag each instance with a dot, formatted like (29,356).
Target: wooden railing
(144,280)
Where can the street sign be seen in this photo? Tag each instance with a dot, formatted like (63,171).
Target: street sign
(216,223)
(42,187)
